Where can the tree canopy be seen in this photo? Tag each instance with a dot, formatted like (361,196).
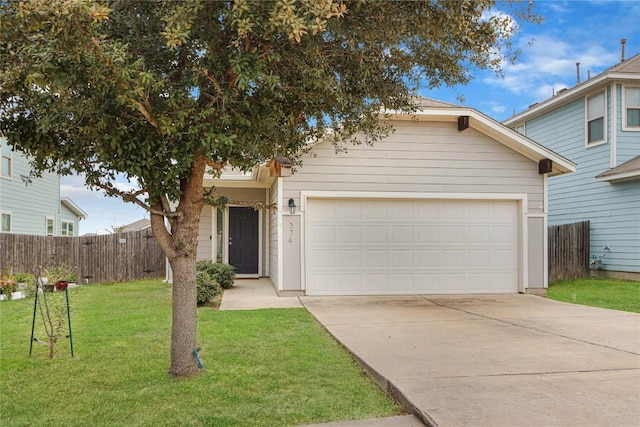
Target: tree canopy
(160,90)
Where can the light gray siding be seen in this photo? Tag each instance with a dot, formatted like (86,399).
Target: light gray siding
(421,158)
(612,208)
(273,233)
(536,252)
(30,205)
(206,234)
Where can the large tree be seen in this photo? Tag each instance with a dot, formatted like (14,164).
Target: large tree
(159,91)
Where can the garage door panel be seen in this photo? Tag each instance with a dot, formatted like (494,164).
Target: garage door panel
(402,258)
(349,234)
(452,283)
(478,282)
(452,258)
(349,258)
(351,283)
(477,259)
(451,235)
(376,258)
(323,258)
(408,247)
(401,234)
(322,234)
(376,283)
(427,258)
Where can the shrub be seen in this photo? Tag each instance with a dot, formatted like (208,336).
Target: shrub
(223,274)
(63,272)
(207,287)
(24,278)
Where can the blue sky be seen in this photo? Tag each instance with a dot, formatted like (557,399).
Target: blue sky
(572,31)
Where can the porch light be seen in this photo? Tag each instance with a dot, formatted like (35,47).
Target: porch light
(292,206)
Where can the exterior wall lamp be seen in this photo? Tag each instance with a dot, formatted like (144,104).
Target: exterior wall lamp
(292,206)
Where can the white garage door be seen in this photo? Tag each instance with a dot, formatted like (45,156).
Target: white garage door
(381,246)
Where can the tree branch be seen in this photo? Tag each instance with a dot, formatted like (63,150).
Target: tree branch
(147,115)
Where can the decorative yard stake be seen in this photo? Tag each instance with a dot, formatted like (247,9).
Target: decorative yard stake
(52,317)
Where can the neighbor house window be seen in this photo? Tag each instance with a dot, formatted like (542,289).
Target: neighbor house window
(632,107)
(5,163)
(50,227)
(6,222)
(595,118)
(67,228)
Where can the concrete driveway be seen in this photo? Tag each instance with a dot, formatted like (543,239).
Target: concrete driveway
(501,360)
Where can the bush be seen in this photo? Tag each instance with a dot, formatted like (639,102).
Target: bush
(223,274)
(207,287)
(63,272)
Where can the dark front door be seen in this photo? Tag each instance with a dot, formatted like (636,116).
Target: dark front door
(243,239)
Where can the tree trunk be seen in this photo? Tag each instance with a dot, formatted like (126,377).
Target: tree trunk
(180,245)
(184,320)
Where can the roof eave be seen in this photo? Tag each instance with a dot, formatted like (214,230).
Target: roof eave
(619,177)
(569,96)
(260,178)
(68,203)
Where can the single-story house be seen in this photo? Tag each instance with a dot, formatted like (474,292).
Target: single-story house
(452,202)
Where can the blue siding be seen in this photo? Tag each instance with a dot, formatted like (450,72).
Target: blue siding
(31,204)
(613,209)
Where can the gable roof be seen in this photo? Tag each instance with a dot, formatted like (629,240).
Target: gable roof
(141,224)
(625,172)
(430,110)
(628,70)
(493,129)
(66,202)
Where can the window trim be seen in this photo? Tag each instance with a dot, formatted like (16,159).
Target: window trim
(595,143)
(53,226)
(2,213)
(5,142)
(625,127)
(62,228)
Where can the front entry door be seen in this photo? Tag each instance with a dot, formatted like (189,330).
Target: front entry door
(243,239)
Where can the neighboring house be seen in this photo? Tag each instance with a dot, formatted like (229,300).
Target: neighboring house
(34,208)
(141,224)
(452,202)
(596,124)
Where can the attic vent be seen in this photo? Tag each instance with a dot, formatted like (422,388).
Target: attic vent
(463,123)
(564,89)
(533,105)
(545,166)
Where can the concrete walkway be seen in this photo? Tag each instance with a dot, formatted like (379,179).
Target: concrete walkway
(252,294)
(499,360)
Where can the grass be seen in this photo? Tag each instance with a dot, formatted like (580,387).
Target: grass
(605,293)
(264,367)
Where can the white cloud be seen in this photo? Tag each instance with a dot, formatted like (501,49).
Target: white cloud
(103,212)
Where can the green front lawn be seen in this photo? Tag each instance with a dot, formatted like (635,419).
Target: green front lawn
(264,367)
(605,293)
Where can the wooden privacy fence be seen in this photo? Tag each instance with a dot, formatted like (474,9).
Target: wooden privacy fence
(106,258)
(569,251)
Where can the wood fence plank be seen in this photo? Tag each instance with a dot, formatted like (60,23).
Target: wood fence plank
(568,251)
(97,259)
